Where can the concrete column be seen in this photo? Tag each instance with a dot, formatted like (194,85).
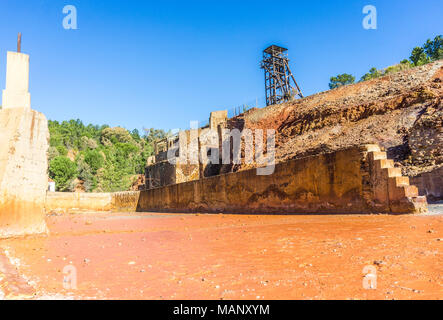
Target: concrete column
(24,138)
(16,94)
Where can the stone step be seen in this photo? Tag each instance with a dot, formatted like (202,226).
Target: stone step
(399,181)
(402,192)
(372,147)
(392,172)
(409,191)
(411,205)
(384,163)
(420,204)
(378,155)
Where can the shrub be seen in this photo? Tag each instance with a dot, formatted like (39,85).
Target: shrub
(62,170)
(94,160)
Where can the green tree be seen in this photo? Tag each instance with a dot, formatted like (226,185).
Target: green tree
(62,170)
(341,80)
(112,178)
(147,151)
(152,135)
(418,57)
(87,143)
(94,159)
(135,135)
(85,174)
(434,48)
(62,150)
(115,135)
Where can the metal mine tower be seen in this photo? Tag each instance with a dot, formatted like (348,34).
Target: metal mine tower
(280,84)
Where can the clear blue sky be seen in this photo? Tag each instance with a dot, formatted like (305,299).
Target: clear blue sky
(163,63)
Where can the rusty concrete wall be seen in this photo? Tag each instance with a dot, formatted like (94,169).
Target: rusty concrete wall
(69,202)
(125,201)
(345,181)
(326,183)
(63,202)
(160,174)
(24,139)
(430,184)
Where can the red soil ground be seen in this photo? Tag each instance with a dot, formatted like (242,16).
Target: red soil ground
(164,256)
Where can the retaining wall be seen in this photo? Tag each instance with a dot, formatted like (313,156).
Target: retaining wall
(68,202)
(355,180)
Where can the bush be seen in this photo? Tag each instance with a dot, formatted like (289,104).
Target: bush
(404,65)
(87,143)
(62,170)
(62,150)
(372,74)
(52,153)
(94,160)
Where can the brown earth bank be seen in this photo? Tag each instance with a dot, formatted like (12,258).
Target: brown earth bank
(175,256)
(402,112)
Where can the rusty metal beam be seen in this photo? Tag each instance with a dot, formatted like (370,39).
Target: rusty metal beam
(19,42)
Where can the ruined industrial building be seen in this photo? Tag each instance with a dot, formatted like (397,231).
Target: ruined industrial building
(395,122)
(341,156)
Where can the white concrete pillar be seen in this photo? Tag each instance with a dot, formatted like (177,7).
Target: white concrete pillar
(16,94)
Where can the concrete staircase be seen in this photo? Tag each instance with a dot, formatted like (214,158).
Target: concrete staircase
(391,191)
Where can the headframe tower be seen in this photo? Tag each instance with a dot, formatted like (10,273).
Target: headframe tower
(280,84)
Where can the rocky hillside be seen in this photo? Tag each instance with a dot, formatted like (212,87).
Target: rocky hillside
(401,112)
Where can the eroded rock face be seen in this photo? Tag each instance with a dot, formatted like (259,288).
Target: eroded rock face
(400,112)
(426,137)
(430,184)
(24,139)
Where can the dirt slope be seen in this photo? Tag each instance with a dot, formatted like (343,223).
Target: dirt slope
(401,112)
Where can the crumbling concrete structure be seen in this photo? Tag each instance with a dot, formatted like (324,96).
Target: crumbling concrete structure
(161,172)
(24,139)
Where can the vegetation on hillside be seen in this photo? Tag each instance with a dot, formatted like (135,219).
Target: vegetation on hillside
(431,51)
(101,158)
(341,80)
